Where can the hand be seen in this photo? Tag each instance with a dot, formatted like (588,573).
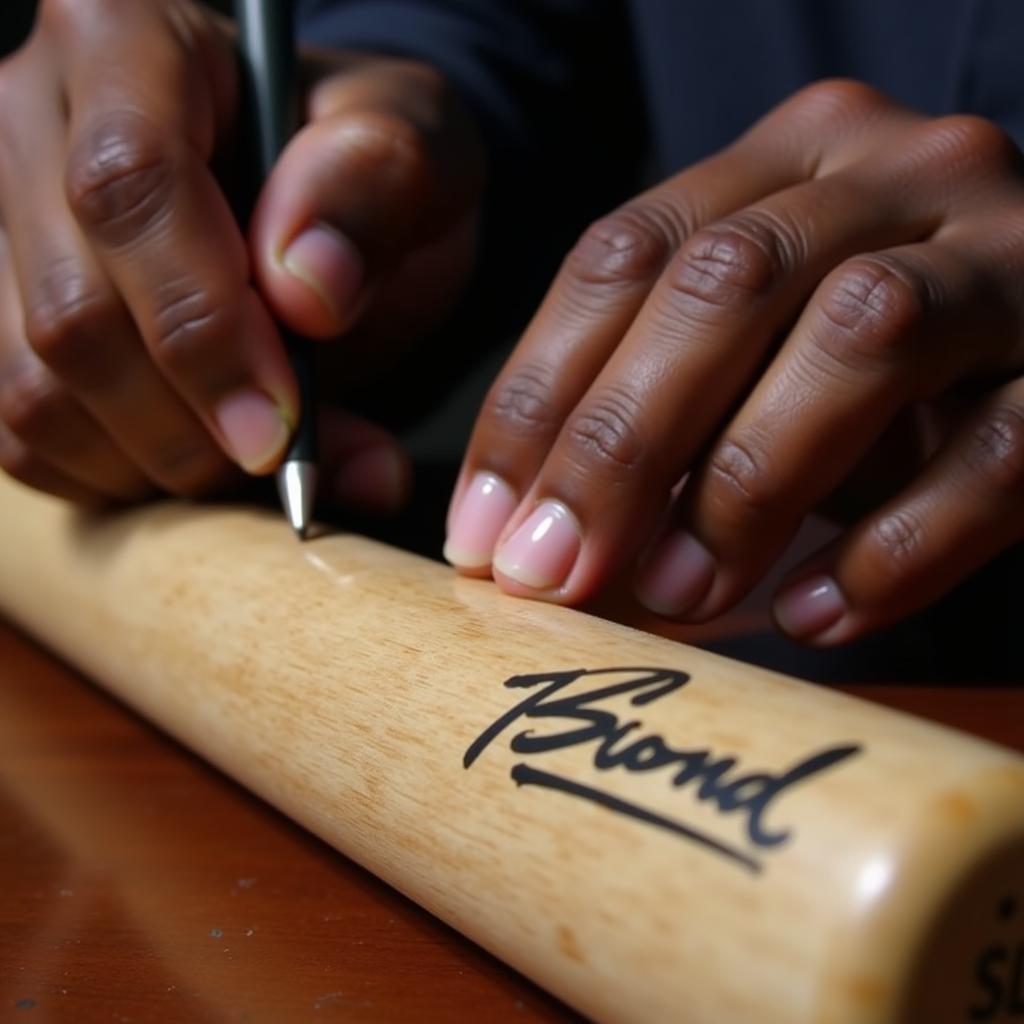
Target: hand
(136,351)
(720,355)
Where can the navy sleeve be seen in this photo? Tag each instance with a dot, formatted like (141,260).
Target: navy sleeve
(523,65)
(15,24)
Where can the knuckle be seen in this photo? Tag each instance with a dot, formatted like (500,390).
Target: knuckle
(740,470)
(661,213)
(33,405)
(833,102)
(871,310)
(188,319)
(971,143)
(60,14)
(897,541)
(521,403)
(605,432)
(624,248)
(388,150)
(994,449)
(119,180)
(67,14)
(735,261)
(67,320)
(426,81)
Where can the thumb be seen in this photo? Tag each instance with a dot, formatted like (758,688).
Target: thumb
(388,164)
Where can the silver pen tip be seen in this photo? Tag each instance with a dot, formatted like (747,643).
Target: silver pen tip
(296,483)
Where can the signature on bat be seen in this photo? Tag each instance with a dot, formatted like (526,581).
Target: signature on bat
(716,779)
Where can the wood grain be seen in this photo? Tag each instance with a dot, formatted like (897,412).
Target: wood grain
(328,939)
(139,884)
(345,682)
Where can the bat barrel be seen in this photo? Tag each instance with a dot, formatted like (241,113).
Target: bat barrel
(650,831)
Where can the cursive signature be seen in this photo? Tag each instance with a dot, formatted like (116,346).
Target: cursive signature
(717,779)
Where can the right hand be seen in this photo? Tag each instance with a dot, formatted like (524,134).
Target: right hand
(136,353)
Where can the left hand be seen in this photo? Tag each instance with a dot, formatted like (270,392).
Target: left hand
(754,327)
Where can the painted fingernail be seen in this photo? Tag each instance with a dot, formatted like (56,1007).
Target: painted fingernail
(330,264)
(676,575)
(810,606)
(254,428)
(481,515)
(541,552)
(376,480)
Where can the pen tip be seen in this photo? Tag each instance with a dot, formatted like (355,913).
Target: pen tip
(296,483)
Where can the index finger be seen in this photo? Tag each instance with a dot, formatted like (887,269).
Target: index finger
(143,124)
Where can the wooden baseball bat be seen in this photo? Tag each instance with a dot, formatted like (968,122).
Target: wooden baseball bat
(652,832)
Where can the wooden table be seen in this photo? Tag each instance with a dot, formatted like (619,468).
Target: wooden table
(140,885)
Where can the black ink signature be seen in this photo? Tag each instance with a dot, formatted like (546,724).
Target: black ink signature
(718,779)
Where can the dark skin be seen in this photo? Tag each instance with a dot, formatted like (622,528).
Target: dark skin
(715,360)
(761,322)
(138,344)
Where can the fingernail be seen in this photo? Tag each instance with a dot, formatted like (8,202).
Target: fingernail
(810,606)
(482,513)
(330,264)
(676,575)
(541,552)
(375,479)
(255,429)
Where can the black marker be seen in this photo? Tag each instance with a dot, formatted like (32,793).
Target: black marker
(266,41)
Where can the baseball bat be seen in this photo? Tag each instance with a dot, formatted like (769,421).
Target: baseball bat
(650,831)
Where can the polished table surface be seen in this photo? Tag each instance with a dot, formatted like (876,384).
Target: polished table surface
(137,884)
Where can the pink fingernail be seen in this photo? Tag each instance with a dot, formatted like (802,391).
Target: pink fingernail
(541,552)
(810,606)
(676,575)
(481,515)
(254,428)
(330,264)
(375,479)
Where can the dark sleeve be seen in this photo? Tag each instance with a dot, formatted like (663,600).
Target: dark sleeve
(554,88)
(15,23)
(522,64)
